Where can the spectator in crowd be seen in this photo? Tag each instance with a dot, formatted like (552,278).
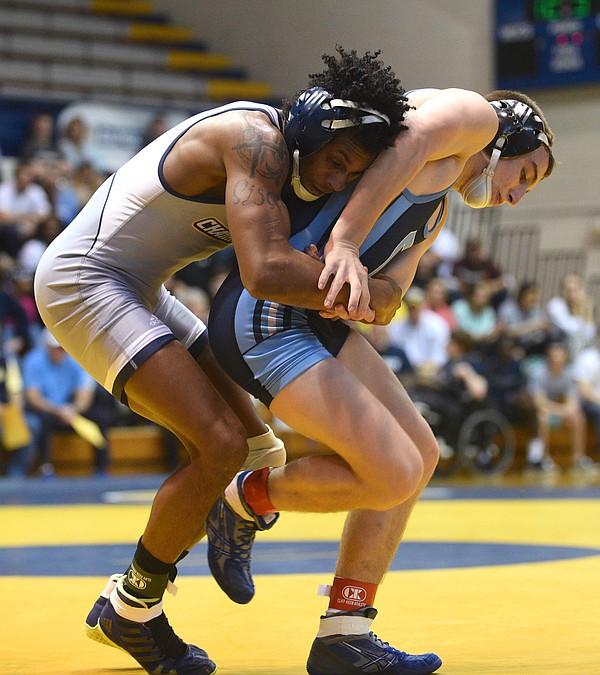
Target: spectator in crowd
(426,269)
(21,290)
(16,449)
(40,150)
(392,354)
(436,299)
(73,189)
(476,315)
(23,205)
(475,267)
(586,370)
(507,382)
(74,145)
(572,312)
(553,389)
(57,390)
(423,335)
(31,251)
(15,333)
(524,320)
(156,127)
(455,387)
(207,274)
(447,251)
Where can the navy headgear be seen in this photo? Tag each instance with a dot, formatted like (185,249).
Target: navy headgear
(520,129)
(318,114)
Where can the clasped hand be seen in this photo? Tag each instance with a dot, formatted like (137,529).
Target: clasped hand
(342,265)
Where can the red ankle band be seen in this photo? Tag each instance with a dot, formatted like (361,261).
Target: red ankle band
(349,594)
(254,488)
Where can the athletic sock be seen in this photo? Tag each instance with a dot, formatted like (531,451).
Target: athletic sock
(254,490)
(254,487)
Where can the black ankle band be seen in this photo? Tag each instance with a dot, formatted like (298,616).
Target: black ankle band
(173,572)
(148,562)
(146,576)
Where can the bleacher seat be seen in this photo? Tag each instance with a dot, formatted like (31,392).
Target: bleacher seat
(118,50)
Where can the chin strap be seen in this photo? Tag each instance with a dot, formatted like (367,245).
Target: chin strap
(301,192)
(478,193)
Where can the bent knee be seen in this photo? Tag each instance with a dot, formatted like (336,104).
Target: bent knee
(399,483)
(222,449)
(430,453)
(427,444)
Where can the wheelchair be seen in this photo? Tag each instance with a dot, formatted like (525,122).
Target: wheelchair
(481,442)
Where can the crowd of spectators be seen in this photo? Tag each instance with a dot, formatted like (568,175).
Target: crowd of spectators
(464,335)
(42,389)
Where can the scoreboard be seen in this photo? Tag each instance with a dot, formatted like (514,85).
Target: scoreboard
(547,43)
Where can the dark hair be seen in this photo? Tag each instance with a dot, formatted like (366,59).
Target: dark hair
(463,340)
(527,286)
(366,80)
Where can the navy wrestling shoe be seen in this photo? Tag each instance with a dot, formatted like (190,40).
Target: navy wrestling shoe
(230,539)
(364,652)
(92,618)
(153,644)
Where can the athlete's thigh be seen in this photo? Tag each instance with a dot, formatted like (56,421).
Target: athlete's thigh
(331,405)
(366,364)
(171,388)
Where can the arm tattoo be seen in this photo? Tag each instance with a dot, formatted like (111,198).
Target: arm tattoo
(245,192)
(262,156)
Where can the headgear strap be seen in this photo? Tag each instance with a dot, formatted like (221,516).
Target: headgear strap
(318,114)
(314,120)
(520,130)
(520,126)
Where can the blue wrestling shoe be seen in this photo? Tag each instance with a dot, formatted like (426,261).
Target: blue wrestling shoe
(363,652)
(92,618)
(153,644)
(230,539)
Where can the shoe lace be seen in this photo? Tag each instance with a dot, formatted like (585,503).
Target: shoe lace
(385,645)
(244,537)
(165,637)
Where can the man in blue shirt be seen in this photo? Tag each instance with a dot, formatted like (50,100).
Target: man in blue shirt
(56,390)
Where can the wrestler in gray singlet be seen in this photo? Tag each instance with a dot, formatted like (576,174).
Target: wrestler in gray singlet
(99,286)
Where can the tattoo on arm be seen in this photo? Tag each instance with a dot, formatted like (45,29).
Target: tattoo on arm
(262,156)
(265,158)
(245,192)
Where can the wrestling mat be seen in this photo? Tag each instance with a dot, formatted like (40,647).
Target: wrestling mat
(494,578)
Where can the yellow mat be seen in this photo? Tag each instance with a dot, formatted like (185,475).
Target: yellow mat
(541,618)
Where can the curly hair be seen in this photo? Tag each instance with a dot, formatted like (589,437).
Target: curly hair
(366,80)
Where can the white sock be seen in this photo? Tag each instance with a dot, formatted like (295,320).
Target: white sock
(140,613)
(344,625)
(232,496)
(535,450)
(112,582)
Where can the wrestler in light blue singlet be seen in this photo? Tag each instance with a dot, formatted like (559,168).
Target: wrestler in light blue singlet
(264,345)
